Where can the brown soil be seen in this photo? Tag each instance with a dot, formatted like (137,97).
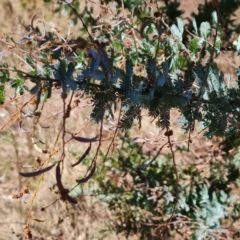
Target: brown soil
(16,148)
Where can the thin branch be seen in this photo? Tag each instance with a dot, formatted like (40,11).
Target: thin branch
(176,185)
(115,132)
(78,15)
(212,45)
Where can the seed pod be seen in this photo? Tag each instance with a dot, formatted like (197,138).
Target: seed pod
(86,178)
(83,156)
(58,178)
(86,140)
(63,191)
(36,173)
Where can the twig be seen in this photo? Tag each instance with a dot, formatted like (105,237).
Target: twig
(176,185)
(77,14)
(18,111)
(115,132)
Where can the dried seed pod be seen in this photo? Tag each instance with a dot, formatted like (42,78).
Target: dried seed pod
(86,140)
(36,173)
(58,178)
(86,178)
(63,191)
(83,156)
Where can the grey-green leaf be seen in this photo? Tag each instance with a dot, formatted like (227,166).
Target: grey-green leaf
(176,31)
(180,25)
(205,29)
(238,44)
(215,17)
(195,26)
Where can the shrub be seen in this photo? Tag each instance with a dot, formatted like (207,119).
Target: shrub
(139,62)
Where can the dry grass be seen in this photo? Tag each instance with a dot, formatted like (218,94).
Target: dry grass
(60,221)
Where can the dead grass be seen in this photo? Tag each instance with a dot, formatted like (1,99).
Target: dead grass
(60,221)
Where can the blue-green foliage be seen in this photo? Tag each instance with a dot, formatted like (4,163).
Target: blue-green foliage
(174,74)
(64,74)
(200,95)
(142,198)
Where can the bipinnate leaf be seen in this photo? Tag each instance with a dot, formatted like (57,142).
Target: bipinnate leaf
(70,70)
(83,156)
(69,76)
(36,173)
(129,73)
(134,96)
(72,84)
(95,62)
(89,175)
(105,61)
(160,79)
(85,140)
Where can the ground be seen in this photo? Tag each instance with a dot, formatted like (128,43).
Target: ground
(16,149)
